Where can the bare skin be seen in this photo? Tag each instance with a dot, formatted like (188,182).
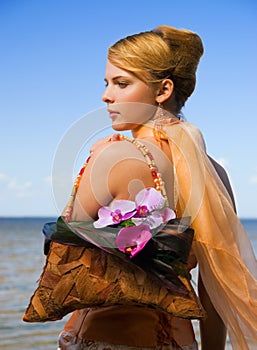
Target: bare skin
(210,339)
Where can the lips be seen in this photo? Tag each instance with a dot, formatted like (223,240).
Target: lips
(112,113)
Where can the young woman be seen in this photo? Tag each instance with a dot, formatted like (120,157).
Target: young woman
(149,76)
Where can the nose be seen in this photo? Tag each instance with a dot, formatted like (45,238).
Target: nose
(107,97)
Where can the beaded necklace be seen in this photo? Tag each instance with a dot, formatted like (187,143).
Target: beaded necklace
(157,177)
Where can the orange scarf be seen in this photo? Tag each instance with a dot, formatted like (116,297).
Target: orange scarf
(226,259)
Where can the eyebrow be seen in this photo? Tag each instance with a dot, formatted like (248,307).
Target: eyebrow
(117,77)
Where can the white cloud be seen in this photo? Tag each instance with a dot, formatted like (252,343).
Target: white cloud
(48,180)
(253,179)
(22,197)
(10,184)
(3,177)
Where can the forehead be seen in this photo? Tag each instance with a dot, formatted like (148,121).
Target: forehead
(114,71)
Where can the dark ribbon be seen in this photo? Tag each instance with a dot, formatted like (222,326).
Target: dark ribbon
(164,256)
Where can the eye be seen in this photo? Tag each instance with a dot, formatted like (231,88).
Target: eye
(123,84)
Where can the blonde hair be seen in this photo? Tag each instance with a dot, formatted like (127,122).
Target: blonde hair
(165,52)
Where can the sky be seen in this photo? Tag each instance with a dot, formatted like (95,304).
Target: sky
(52,64)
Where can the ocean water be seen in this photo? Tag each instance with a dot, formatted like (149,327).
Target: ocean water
(21,262)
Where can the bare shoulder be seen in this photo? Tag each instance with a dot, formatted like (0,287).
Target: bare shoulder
(122,167)
(116,151)
(111,173)
(116,170)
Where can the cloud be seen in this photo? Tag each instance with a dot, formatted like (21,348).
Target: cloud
(253,179)
(48,180)
(3,177)
(10,184)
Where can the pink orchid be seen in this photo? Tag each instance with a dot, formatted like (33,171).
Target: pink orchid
(151,208)
(132,239)
(118,211)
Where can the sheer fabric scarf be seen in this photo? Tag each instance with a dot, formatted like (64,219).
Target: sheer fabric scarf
(226,259)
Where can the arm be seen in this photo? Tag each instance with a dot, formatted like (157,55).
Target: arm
(116,170)
(212,329)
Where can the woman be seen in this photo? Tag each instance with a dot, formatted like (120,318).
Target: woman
(149,76)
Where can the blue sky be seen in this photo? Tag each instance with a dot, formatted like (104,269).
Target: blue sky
(52,64)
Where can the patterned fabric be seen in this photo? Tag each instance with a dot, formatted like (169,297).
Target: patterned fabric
(69,342)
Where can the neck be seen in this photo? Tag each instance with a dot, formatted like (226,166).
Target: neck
(143,131)
(147,130)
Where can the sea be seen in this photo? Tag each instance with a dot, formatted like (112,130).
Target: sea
(21,262)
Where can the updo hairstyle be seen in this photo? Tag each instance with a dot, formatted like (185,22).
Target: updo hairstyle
(164,52)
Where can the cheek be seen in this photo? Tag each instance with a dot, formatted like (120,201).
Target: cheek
(136,112)
(144,95)
(138,93)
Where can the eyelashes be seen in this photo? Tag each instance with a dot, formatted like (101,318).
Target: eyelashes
(121,84)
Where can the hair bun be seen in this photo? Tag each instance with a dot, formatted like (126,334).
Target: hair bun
(186,49)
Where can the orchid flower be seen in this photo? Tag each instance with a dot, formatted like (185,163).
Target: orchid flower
(118,211)
(132,239)
(151,208)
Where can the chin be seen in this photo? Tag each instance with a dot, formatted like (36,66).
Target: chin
(124,126)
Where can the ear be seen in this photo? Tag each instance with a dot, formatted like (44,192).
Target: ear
(164,91)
